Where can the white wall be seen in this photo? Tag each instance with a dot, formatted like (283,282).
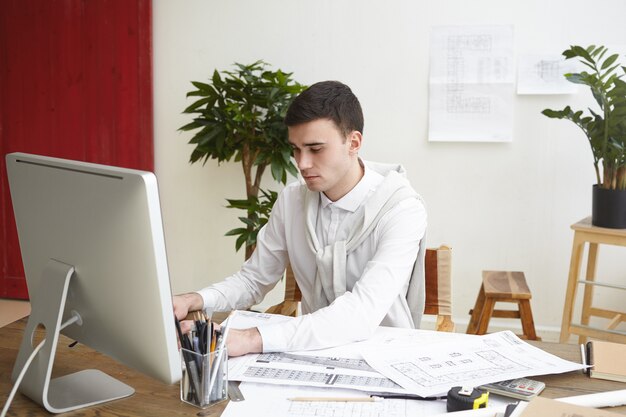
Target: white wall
(500,206)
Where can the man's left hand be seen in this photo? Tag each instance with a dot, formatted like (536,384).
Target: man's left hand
(243,341)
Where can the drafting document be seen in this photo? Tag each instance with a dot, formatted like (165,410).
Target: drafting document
(339,367)
(433,369)
(471,84)
(281,368)
(545,74)
(241,319)
(272,401)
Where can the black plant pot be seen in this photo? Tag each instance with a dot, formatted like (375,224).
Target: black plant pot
(608,208)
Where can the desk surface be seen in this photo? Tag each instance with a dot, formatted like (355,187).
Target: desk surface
(153,398)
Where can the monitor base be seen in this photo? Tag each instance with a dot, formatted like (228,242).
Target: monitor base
(69,392)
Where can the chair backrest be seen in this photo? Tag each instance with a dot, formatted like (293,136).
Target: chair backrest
(438,281)
(289,307)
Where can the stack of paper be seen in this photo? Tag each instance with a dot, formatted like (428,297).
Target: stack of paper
(398,361)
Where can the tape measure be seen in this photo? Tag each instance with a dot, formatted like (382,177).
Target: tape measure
(466,398)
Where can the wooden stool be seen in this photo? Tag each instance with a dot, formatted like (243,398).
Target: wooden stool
(502,286)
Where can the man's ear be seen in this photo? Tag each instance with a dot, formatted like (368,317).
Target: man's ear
(355,138)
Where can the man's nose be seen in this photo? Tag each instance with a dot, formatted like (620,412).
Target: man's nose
(303,161)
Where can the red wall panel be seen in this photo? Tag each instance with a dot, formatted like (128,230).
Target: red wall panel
(75,82)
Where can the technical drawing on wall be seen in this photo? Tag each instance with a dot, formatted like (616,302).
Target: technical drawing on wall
(471,83)
(545,74)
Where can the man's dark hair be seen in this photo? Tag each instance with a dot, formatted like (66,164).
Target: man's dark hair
(327,100)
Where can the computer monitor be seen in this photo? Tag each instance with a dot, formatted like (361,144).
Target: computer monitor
(92,245)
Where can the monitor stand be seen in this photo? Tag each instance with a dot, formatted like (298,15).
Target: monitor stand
(69,392)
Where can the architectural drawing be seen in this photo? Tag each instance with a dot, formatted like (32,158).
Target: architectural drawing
(343,380)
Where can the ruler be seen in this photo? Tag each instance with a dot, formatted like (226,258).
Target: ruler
(328,362)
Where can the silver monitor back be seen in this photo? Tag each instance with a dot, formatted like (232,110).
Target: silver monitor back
(106,222)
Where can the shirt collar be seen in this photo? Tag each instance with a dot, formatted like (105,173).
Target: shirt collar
(354,198)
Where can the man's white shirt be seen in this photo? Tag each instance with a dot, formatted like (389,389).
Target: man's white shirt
(377,272)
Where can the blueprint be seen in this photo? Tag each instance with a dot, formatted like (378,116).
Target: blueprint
(273,401)
(471,83)
(395,360)
(545,74)
(279,368)
(433,368)
(339,367)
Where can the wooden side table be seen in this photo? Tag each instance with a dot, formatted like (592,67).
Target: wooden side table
(585,232)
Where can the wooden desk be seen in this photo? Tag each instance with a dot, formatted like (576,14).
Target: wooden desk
(585,232)
(153,398)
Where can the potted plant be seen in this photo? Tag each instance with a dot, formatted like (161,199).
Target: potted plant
(605,130)
(239,115)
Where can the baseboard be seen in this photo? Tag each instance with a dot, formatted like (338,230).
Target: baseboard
(12,310)
(547,333)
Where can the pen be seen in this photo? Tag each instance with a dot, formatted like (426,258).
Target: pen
(184,342)
(208,335)
(218,359)
(583,358)
(337,399)
(214,335)
(198,316)
(393,396)
(190,364)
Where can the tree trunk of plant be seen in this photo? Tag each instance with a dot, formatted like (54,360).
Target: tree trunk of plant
(608,175)
(249,251)
(621,178)
(252,185)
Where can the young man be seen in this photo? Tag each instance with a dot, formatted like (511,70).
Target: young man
(351,233)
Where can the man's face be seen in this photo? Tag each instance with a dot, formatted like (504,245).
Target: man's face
(325,157)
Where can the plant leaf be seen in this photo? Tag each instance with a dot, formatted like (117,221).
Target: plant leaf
(609,61)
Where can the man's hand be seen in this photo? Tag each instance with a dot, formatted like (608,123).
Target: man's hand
(183,304)
(241,342)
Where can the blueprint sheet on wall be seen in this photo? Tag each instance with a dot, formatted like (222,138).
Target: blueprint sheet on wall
(471,83)
(544,74)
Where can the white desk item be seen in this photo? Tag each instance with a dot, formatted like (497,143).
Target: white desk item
(264,400)
(433,368)
(599,399)
(338,367)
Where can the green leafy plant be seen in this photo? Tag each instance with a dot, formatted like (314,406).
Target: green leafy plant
(239,116)
(258,210)
(605,129)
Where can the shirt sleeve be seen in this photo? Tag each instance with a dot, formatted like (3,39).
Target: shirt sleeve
(259,274)
(356,314)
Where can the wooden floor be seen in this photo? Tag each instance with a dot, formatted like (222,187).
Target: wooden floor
(11,310)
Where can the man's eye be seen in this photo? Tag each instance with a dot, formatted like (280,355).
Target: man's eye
(315,150)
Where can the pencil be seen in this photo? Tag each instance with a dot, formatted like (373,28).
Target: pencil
(337,399)
(218,359)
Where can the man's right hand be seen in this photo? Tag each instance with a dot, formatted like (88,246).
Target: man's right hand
(184,303)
